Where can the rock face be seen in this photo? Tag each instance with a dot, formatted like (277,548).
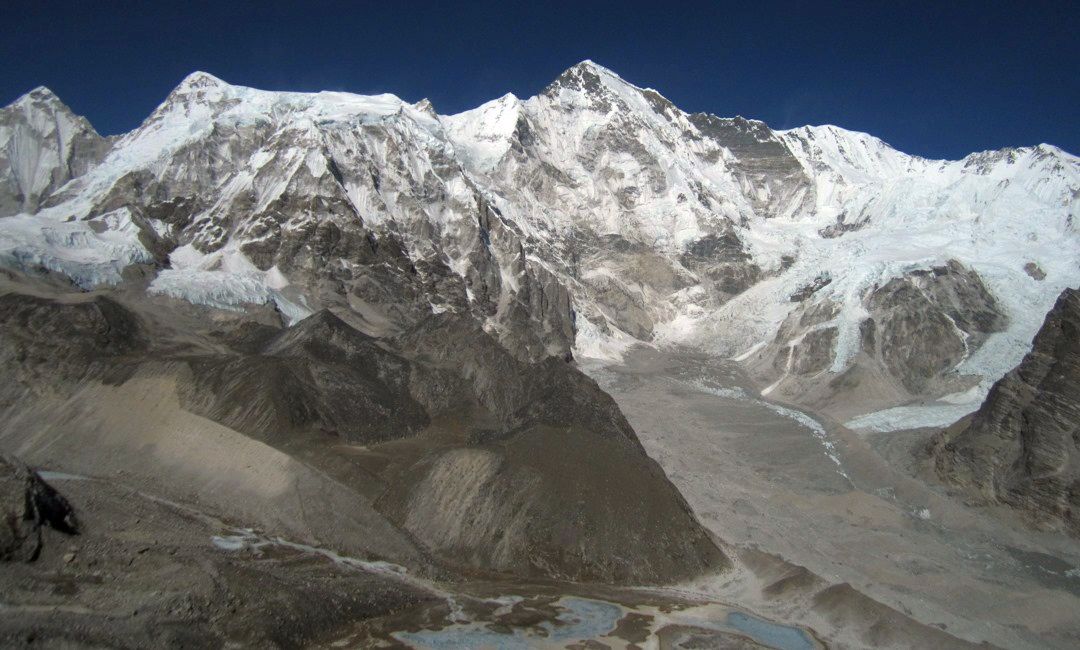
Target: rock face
(27,504)
(320,376)
(546,476)
(915,332)
(926,322)
(1022,448)
(89,330)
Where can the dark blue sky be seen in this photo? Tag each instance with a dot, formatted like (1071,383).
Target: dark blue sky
(938,79)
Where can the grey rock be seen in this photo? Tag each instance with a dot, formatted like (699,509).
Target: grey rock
(920,326)
(820,282)
(27,505)
(843,226)
(319,377)
(1022,447)
(928,321)
(1035,271)
(763,161)
(48,344)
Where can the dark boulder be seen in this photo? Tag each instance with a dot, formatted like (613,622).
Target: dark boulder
(27,505)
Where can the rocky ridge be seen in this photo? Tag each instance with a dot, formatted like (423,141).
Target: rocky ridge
(1022,447)
(436,449)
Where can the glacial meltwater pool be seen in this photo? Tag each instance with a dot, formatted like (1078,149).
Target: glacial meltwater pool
(579,620)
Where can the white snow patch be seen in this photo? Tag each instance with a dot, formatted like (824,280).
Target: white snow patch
(915,416)
(750,351)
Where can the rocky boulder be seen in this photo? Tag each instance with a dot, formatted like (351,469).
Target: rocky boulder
(27,505)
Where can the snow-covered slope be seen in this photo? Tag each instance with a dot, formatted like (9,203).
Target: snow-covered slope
(311,200)
(881,215)
(591,215)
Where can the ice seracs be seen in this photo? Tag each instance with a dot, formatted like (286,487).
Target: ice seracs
(91,253)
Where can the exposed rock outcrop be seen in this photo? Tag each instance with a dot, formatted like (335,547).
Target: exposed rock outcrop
(1022,448)
(320,376)
(913,332)
(27,505)
(926,322)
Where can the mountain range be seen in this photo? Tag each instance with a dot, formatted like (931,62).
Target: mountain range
(579,221)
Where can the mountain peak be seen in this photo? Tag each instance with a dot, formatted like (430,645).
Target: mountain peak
(1056,151)
(39,95)
(199,80)
(196,88)
(42,93)
(583,64)
(426,107)
(42,106)
(593,66)
(586,76)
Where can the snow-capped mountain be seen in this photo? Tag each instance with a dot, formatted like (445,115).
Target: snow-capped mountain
(303,201)
(844,273)
(42,146)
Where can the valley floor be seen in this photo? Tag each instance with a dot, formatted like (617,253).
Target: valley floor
(836,539)
(850,508)
(150,572)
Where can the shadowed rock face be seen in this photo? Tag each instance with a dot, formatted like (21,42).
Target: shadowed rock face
(722,260)
(548,476)
(320,376)
(1022,447)
(487,462)
(46,344)
(517,394)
